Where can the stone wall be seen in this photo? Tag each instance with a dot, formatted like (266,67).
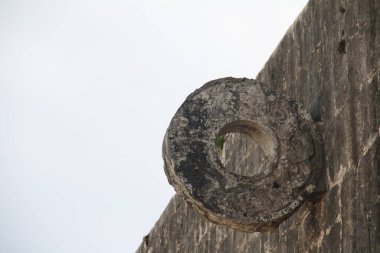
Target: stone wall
(329,60)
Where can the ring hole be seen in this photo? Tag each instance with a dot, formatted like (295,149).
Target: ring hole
(245,148)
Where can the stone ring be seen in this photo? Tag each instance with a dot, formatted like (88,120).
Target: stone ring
(286,151)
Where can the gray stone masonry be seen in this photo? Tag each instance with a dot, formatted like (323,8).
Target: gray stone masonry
(329,60)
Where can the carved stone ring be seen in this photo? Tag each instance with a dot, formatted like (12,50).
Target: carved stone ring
(284,133)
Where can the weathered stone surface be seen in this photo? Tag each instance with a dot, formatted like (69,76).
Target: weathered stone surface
(330,61)
(283,131)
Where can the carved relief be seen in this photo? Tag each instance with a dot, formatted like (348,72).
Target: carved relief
(280,128)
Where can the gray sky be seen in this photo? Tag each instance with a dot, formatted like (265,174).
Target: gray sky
(87,90)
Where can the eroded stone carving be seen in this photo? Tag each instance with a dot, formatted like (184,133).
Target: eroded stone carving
(280,127)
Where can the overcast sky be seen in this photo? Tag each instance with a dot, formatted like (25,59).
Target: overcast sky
(87,90)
